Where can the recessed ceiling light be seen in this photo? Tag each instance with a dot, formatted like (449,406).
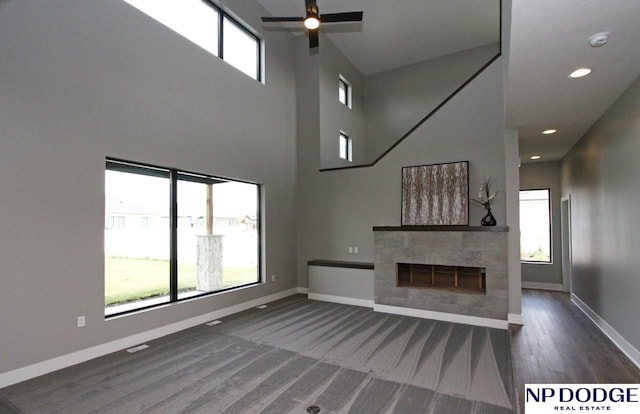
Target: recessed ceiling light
(536,157)
(549,131)
(578,73)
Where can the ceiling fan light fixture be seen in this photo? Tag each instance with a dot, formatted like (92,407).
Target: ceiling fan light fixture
(313,18)
(312,22)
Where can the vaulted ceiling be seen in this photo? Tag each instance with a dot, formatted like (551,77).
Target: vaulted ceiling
(398,33)
(548,39)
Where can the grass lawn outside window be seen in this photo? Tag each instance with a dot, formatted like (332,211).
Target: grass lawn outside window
(132,279)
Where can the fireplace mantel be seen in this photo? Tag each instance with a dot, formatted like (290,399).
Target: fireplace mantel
(498,229)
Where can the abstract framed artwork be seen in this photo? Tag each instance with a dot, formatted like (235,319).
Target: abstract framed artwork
(436,195)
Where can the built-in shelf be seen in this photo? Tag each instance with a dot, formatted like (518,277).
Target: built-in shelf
(461,279)
(443,228)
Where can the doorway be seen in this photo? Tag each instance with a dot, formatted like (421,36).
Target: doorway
(565,212)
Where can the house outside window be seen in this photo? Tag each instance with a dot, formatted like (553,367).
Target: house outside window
(173,235)
(146,222)
(115,222)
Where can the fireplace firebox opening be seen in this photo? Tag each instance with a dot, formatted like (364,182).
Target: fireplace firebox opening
(460,279)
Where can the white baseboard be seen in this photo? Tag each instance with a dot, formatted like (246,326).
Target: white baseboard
(624,345)
(542,286)
(441,316)
(515,319)
(341,299)
(64,361)
(303,290)
(419,313)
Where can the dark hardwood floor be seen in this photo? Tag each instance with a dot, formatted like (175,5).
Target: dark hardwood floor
(560,344)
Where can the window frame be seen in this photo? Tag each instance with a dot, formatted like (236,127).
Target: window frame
(348,148)
(550,227)
(116,164)
(347,91)
(222,15)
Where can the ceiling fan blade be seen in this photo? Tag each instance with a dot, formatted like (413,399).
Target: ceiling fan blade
(313,38)
(282,19)
(355,16)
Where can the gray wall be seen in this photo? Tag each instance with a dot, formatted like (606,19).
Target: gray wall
(536,176)
(602,176)
(335,116)
(86,79)
(385,105)
(396,100)
(337,209)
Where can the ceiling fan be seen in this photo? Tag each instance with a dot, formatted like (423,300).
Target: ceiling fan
(313,18)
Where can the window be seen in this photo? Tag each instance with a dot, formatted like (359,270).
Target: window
(344,91)
(146,222)
(115,222)
(209,27)
(193,235)
(240,48)
(535,226)
(345,147)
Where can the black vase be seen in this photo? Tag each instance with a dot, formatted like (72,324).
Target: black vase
(488,220)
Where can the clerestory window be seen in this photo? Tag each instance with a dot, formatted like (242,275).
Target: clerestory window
(210,27)
(344,91)
(346,147)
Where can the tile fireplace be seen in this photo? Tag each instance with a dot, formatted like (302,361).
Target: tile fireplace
(459,270)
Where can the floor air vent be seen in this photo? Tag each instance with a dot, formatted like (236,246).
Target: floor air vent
(137,348)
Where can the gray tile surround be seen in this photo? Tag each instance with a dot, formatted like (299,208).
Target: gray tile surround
(453,248)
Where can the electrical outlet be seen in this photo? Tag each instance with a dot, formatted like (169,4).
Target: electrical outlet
(355,250)
(81,321)
(350,249)
(273,278)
